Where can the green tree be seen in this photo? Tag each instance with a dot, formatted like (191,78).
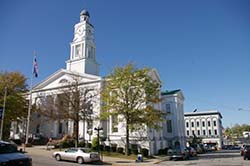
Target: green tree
(95,143)
(131,93)
(16,105)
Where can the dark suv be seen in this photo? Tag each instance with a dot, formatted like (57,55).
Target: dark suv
(10,156)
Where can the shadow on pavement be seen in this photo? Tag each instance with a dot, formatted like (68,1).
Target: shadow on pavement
(101,163)
(216,155)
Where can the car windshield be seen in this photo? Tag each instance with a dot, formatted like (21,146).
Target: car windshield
(7,148)
(86,150)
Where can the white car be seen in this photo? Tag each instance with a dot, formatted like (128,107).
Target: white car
(80,155)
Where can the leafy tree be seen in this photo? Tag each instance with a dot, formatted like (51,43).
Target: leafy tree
(95,143)
(72,102)
(16,105)
(236,131)
(130,94)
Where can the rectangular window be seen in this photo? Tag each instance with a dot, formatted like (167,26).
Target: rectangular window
(197,124)
(170,143)
(114,123)
(204,132)
(192,124)
(208,123)
(187,124)
(37,129)
(215,132)
(60,128)
(78,50)
(187,132)
(169,126)
(203,124)
(193,132)
(89,125)
(214,123)
(209,132)
(168,109)
(199,132)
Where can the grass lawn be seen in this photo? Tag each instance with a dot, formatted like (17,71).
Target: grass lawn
(119,155)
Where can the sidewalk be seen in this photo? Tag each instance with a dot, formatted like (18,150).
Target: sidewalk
(42,151)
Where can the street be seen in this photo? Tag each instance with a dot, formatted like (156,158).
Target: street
(43,157)
(219,158)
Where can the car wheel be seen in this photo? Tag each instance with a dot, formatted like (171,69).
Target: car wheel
(80,160)
(58,157)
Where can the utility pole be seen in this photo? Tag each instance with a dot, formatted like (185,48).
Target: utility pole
(4,102)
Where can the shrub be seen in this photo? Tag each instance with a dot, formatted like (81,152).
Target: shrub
(95,143)
(81,144)
(134,151)
(165,151)
(144,152)
(101,147)
(71,143)
(160,152)
(113,148)
(67,143)
(89,145)
(107,148)
(120,150)
(129,151)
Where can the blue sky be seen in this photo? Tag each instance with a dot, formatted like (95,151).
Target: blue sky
(199,46)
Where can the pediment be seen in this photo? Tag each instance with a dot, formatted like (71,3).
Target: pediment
(63,76)
(155,75)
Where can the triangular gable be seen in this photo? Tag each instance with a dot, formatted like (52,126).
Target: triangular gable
(155,75)
(61,75)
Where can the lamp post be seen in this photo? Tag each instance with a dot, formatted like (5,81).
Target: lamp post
(98,136)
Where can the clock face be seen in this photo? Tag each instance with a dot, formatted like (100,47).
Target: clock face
(80,30)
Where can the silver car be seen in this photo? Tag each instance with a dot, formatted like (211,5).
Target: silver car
(80,155)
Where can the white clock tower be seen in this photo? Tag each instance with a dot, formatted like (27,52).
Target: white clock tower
(82,54)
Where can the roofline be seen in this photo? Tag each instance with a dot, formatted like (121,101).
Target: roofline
(171,92)
(187,114)
(47,79)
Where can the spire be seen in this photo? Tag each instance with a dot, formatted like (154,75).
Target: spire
(83,49)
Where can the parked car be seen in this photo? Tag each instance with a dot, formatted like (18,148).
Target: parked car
(246,153)
(80,155)
(9,155)
(178,153)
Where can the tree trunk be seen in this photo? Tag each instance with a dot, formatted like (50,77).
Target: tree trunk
(77,130)
(127,140)
(83,131)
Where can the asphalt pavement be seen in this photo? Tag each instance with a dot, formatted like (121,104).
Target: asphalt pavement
(43,157)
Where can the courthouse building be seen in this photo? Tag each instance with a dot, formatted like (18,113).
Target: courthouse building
(82,64)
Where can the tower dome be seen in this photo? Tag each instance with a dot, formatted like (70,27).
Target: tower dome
(84,13)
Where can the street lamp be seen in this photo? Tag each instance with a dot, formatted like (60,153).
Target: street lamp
(98,136)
